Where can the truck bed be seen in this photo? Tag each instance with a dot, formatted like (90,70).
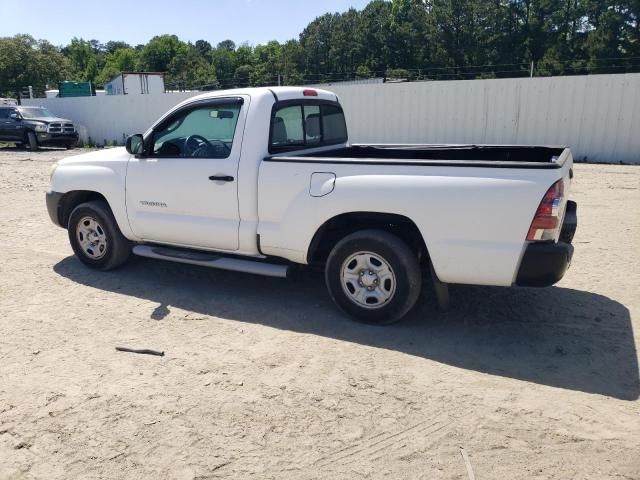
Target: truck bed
(445,155)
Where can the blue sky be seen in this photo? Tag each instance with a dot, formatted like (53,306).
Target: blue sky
(134,21)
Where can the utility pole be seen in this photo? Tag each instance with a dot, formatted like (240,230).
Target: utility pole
(531,74)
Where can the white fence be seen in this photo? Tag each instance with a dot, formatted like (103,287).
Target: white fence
(596,115)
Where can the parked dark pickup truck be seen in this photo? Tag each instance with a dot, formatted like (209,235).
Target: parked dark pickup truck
(35,127)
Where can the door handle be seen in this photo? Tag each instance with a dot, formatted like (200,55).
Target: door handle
(221,178)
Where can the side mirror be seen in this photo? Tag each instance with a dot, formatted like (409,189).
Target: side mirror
(14,116)
(135,144)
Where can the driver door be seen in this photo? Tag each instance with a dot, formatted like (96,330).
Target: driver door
(9,127)
(184,190)
(4,121)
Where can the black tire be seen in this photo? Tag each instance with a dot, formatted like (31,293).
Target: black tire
(70,145)
(402,262)
(20,146)
(116,247)
(32,141)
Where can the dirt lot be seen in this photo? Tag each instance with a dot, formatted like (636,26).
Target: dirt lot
(263,378)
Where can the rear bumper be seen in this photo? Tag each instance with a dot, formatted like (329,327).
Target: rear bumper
(53,207)
(544,264)
(570,223)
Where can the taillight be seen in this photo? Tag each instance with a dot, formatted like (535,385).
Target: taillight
(547,220)
(309,93)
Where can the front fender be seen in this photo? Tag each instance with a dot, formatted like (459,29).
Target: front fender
(102,179)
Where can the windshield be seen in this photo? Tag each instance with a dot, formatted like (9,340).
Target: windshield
(35,112)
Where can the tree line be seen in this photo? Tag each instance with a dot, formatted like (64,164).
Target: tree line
(407,39)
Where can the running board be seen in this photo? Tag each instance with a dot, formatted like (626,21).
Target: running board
(212,261)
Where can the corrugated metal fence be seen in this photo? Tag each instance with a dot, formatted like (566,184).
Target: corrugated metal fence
(598,116)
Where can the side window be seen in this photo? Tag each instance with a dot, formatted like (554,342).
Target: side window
(312,128)
(334,126)
(307,125)
(287,127)
(4,113)
(204,132)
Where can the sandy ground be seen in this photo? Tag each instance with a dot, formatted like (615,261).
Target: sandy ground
(263,378)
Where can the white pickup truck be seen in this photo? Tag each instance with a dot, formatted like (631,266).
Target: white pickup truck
(259,179)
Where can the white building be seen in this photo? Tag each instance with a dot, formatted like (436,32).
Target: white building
(136,83)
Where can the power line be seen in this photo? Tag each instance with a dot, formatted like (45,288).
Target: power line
(319,77)
(425,73)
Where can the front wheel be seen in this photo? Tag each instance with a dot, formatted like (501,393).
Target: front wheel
(32,141)
(95,237)
(373,276)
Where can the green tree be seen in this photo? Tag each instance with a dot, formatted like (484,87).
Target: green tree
(345,49)
(374,34)
(203,47)
(112,46)
(242,77)
(315,40)
(26,61)
(121,60)
(363,72)
(92,71)
(614,35)
(225,63)
(292,61)
(227,45)
(414,39)
(268,59)
(190,69)
(157,55)
(80,53)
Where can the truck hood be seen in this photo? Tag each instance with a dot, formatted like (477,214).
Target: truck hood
(48,120)
(99,156)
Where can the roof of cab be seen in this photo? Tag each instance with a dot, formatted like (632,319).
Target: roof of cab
(280,93)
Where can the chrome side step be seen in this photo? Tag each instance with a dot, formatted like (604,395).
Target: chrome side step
(211,260)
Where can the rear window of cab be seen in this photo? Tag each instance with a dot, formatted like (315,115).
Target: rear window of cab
(296,125)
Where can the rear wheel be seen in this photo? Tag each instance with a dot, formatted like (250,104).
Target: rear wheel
(32,141)
(95,237)
(373,276)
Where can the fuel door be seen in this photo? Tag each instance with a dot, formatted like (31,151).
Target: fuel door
(322,183)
